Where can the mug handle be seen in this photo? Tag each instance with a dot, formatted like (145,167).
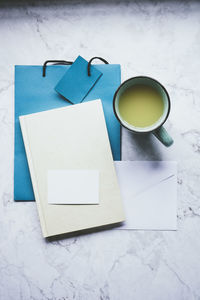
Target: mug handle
(163,136)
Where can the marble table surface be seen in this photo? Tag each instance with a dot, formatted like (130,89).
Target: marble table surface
(159,39)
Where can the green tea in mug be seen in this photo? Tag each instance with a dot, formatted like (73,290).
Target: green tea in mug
(141,105)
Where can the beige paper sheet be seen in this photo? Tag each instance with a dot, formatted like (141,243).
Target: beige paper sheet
(74,137)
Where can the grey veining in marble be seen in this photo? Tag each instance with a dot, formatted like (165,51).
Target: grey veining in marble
(158,39)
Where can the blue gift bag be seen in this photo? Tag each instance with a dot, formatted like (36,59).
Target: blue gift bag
(35,93)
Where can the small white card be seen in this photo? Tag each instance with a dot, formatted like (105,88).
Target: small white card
(73,186)
(149,194)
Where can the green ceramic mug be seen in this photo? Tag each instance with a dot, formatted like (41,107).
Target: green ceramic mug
(156,128)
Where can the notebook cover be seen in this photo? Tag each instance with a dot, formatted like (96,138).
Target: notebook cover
(74,137)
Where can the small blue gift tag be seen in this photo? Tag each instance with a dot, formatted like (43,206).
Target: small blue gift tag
(76,84)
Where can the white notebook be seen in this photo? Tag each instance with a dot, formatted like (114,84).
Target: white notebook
(71,138)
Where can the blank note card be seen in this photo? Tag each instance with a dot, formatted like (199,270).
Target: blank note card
(73,186)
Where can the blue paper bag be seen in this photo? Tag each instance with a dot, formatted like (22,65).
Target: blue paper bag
(35,93)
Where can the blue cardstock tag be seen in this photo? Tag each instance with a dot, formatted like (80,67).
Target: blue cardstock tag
(76,84)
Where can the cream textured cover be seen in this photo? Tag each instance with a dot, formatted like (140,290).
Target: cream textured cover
(73,137)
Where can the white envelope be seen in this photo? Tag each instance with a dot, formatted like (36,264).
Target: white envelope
(149,193)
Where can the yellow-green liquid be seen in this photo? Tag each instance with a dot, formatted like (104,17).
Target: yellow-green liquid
(141,105)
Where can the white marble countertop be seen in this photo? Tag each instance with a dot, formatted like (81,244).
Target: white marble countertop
(161,40)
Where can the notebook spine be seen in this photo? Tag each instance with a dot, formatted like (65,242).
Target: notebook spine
(32,173)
